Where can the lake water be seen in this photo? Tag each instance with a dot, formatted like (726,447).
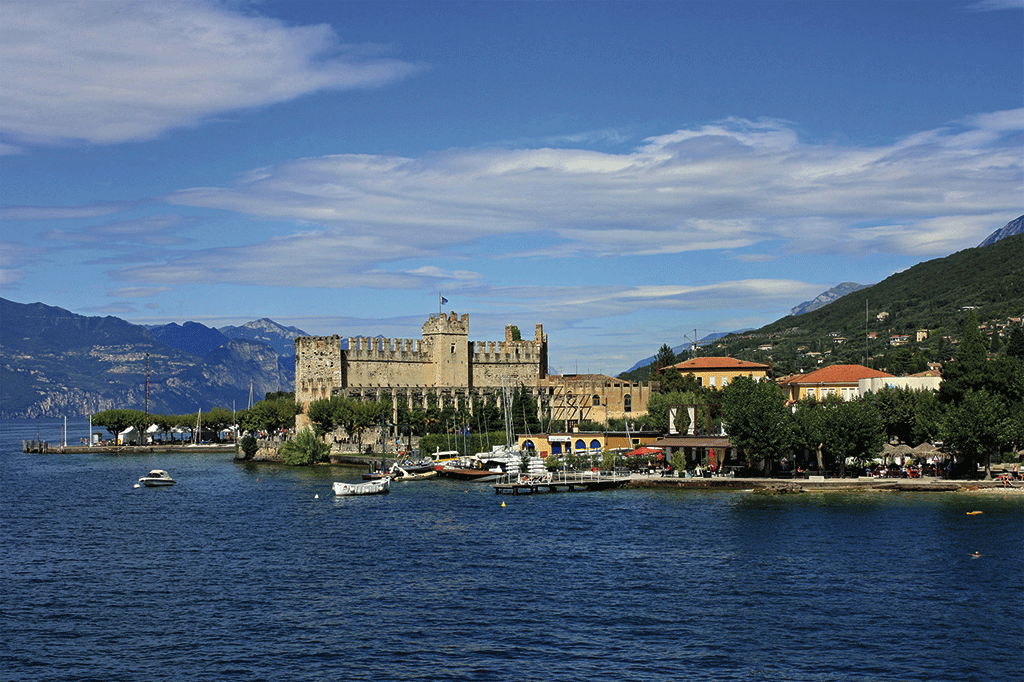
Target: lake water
(240,572)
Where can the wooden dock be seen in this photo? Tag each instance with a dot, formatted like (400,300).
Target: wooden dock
(517,484)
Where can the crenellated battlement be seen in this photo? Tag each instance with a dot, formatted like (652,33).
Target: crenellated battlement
(507,351)
(376,348)
(450,324)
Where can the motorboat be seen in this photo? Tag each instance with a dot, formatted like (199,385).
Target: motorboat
(377,487)
(406,475)
(155,479)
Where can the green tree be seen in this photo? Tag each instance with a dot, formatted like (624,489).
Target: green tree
(665,357)
(358,415)
(659,404)
(116,421)
(898,409)
(1015,343)
(974,428)
(305,449)
(757,419)
(853,430)
(272,414)
(249,446)
(322,415)
(809,432)
(969,372)
(674,381)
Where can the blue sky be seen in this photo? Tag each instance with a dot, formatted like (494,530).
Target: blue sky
(622,173)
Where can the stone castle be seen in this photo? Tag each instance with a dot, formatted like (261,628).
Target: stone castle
(453,368)
(444,362)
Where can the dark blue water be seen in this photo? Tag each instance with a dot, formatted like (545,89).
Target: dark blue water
(239,572)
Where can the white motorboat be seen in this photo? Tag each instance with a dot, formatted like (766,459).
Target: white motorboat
(376,487)
(156,478)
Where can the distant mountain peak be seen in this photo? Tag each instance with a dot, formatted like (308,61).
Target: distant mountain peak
(265,330)
(835,293)
(1014,227)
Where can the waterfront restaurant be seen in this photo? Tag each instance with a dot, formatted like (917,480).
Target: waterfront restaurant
(590,443)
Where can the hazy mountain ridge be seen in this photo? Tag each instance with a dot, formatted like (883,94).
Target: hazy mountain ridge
(57,363)
(265,330)
(1010,229)
(823,299)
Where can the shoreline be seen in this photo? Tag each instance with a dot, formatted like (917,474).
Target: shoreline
(772,486)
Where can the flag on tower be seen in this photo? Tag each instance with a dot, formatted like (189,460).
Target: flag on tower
(443,299)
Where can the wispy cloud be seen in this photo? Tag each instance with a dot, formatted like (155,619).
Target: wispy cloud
(725,186)
(61,212)
(114,71)
(995,5)
(150,231)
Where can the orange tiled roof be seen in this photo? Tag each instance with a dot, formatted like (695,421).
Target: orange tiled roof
(716,363)
(836,374)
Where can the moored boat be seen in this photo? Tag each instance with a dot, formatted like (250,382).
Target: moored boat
(378,487)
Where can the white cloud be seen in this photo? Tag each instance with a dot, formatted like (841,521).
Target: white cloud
(730,185)
(995,5)
(114,71)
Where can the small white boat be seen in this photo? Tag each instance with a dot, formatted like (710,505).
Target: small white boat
(156,478)
(377,487)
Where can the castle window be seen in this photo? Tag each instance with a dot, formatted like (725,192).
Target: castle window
(453,349)
(597,400)
(627,403)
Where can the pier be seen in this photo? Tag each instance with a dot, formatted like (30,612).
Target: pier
(521,484)
(44,448)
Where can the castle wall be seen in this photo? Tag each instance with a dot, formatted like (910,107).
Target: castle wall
(444,362)
(375,362)
(319,369)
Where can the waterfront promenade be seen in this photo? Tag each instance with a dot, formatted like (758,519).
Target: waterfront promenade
(819,484)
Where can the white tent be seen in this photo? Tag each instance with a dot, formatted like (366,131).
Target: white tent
(129,436)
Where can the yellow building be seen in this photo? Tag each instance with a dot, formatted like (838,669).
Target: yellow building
(585,443)
(575,398)
(718,372)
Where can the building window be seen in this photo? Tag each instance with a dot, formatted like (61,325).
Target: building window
(627,403)
(597,401)
(810,393)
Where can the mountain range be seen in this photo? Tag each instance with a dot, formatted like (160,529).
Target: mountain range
(56,363)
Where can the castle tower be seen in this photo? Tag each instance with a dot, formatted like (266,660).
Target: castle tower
(447,342)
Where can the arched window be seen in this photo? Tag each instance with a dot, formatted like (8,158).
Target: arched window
(581,445)
(597,400)
(627,403)
(528,445)
(595,445)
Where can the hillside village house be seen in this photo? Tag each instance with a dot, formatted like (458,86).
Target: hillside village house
(716,373)
(852,381)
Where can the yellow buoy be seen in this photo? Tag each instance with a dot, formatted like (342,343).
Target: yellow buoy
(974,512)
(502,504)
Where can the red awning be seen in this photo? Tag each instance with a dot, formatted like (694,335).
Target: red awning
(644,451)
